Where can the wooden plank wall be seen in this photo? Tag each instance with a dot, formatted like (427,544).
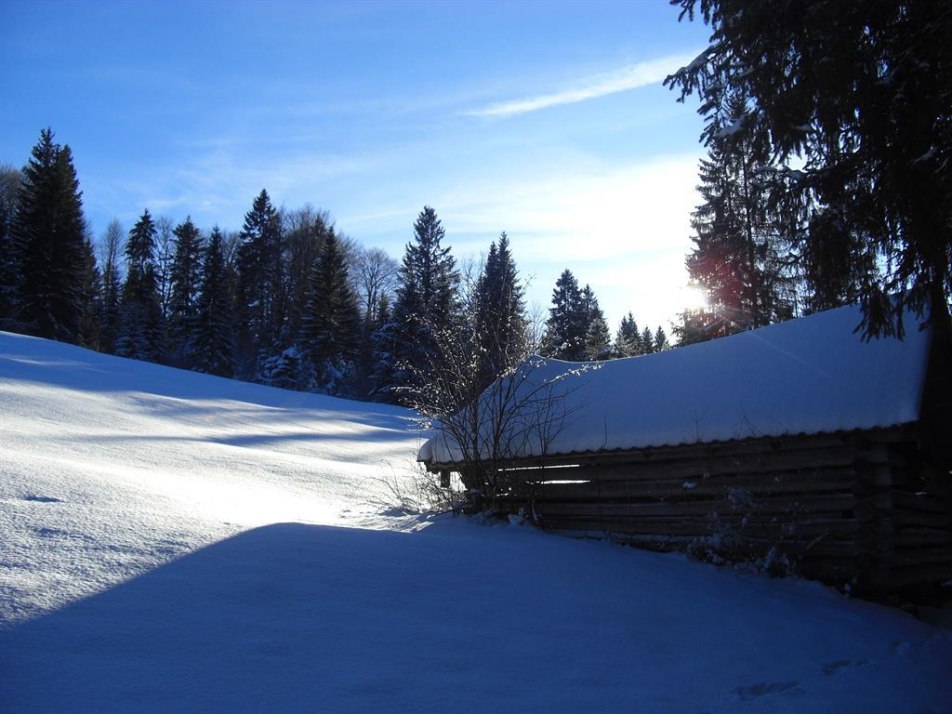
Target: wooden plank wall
(859,513)
(921,524)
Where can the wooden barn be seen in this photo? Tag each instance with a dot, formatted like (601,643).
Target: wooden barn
(798,447)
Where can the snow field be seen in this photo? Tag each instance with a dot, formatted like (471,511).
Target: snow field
(175,542)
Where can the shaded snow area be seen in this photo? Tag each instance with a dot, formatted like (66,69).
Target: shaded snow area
(175,542)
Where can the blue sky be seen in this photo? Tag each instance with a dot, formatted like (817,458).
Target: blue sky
(543,119)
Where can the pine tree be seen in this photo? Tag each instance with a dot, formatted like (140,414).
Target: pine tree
(836,262)
(9,249)
(858,94)
(330,325)
(213,342)
(111,288)
(365,383)
(305,231)
(597,336)
(90,299)
(259,279)
(567,326)
(628,338)
(647,341)
(500,322)
(427,304)
(185,275)
(696,325)
(290,369)
(661,340)
(49,233)
(737,258)
(141,332)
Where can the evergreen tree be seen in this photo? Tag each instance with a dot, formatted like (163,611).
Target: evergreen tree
(290,369)
(49,237)
(111,288)
(90,299)
(500,322)
(330,325)
(647,341)
(738,258)
(696,325)
(259,280)
(661,340)
(567,327)
(185,276)
(427,304)
(372,326)
(141,326)
(305,231)
(628,338)
(597,336)
(9,249)
(858,94)
(837,263)
(213,342)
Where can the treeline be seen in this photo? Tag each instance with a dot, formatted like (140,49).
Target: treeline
(287,301)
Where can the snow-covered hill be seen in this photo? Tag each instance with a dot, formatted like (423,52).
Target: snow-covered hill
(176,542)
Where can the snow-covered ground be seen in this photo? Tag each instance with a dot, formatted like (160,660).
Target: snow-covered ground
(176,542)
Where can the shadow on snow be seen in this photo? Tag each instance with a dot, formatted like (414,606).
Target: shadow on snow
(292,617)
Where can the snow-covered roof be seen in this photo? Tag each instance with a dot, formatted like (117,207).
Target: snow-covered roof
(812,375)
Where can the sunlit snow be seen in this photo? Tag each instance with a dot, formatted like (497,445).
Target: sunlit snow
(812,375)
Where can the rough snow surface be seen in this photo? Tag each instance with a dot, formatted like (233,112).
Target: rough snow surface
(110,465)
(173,542)
(811,375)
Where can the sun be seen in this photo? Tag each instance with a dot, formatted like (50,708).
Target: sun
(691,297)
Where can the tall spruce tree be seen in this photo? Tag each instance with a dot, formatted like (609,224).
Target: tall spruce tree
(738,257)
(9,248)
(859,95)
(259,284)
(597,336)
(305,230)
(427,304)
(696,325)
(500,321)
(213,340)
(90,299)
(49,233)
(141,331)
(628,338)
(185,275)
(330,325)
(647,341)
(568,323)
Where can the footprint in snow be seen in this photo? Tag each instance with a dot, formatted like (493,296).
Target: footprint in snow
(50,532)
(831,668)
(42,499)
(901,648)
(746,694)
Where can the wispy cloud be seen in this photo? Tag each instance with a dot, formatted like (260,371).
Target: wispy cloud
(638,75)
